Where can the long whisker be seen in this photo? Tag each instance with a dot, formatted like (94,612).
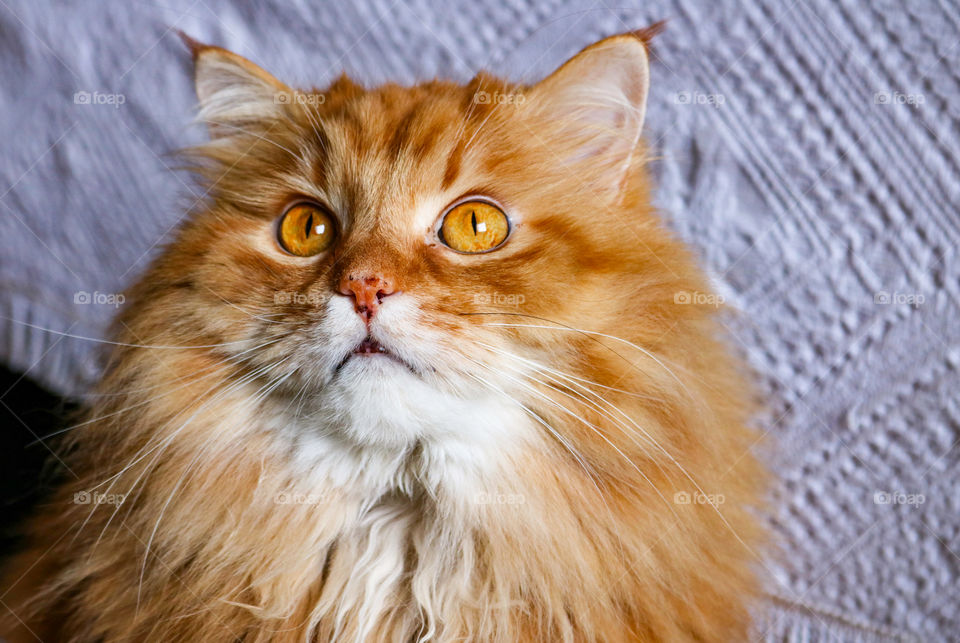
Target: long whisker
(590,425)
(494,108)
(128,392)
(560,438)
(267,387)
(570,377)
(315,125)
(679,466)
(255,135)
(549,372)
(112,343)
(591,474)
(246,378)
(162,444)
(204,374)
(553,374)
(142,476)
(564,327)
(242,310)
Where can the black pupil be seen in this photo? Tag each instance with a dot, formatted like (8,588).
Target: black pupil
(473,221)
(306,232)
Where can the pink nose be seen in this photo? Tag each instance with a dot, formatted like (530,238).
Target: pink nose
(367,291)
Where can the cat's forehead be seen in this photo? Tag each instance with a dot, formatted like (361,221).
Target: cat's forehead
(395,143)
(414,120)
(390,115)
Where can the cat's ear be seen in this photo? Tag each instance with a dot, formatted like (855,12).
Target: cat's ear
(234,93)
(593,106)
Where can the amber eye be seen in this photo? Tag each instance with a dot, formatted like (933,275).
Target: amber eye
(306,230)
(474,226)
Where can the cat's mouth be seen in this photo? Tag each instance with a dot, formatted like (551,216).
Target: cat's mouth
(370,348)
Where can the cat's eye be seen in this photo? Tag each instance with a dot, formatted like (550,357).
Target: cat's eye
(306,229)
(474,226)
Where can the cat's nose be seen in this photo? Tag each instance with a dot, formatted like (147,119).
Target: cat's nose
(368,291)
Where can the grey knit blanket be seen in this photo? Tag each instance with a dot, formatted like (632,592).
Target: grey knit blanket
(806,149)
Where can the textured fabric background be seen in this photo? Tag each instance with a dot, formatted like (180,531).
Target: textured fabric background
(807,151)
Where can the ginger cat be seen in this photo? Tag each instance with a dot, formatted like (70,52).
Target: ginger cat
(422,367)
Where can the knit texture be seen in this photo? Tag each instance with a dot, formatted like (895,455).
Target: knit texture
(806,149)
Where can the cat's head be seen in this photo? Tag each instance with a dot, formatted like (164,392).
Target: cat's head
(399,264)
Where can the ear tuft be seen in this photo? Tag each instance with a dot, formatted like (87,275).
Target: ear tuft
(194,45)
(647,34)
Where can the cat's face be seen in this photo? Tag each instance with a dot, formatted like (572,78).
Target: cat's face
(400,263)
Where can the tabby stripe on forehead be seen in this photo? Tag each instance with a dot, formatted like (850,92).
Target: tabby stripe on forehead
(402,132)
(453,165)
(415,141)
(323,144)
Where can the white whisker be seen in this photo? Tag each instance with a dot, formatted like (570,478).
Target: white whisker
(205,373)
(593,427)
(591,332)
(112,343)
(257,136)
(256,397)
(672,459)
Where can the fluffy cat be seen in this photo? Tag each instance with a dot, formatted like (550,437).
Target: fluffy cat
(423,366)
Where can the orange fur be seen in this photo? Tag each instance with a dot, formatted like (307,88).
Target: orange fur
(577,535)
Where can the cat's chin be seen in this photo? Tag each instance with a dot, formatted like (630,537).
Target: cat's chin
(377,399)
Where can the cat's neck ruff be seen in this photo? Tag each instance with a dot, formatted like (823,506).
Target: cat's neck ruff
(455,450)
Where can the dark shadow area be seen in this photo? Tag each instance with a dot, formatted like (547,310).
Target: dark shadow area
(27,467)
